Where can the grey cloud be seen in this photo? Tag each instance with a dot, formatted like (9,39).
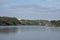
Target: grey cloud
(54,0)
(31,11)
(33,8)
(2,2)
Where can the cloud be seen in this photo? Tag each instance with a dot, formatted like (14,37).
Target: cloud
(55,0)
(30,9)
(35,10)
(2,2)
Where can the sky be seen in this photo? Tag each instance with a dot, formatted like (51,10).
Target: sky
(31,9)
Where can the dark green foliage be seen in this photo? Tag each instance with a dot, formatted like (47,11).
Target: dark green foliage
(15,21)
(55,23)
(9,21)
(34,22)
(41,22)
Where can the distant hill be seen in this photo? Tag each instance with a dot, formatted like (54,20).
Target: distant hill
(9,21)
(15,21)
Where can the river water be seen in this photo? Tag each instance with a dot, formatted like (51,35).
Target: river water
(29,32)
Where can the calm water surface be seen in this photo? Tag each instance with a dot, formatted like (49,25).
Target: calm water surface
(26,32)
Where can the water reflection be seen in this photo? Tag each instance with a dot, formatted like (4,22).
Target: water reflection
(8,30)
(28,29)
(39,28)
(54,29)
(31,28)
(30,33)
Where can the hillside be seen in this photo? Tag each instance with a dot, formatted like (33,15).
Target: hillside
(9,21)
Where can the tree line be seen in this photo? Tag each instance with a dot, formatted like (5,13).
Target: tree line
(9,21)
(15,21)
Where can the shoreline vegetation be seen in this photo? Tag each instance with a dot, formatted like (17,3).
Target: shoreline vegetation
(7,21)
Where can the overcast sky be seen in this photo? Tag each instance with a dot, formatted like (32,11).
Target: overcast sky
(31,9)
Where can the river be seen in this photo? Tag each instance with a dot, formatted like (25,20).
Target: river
(29,32)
